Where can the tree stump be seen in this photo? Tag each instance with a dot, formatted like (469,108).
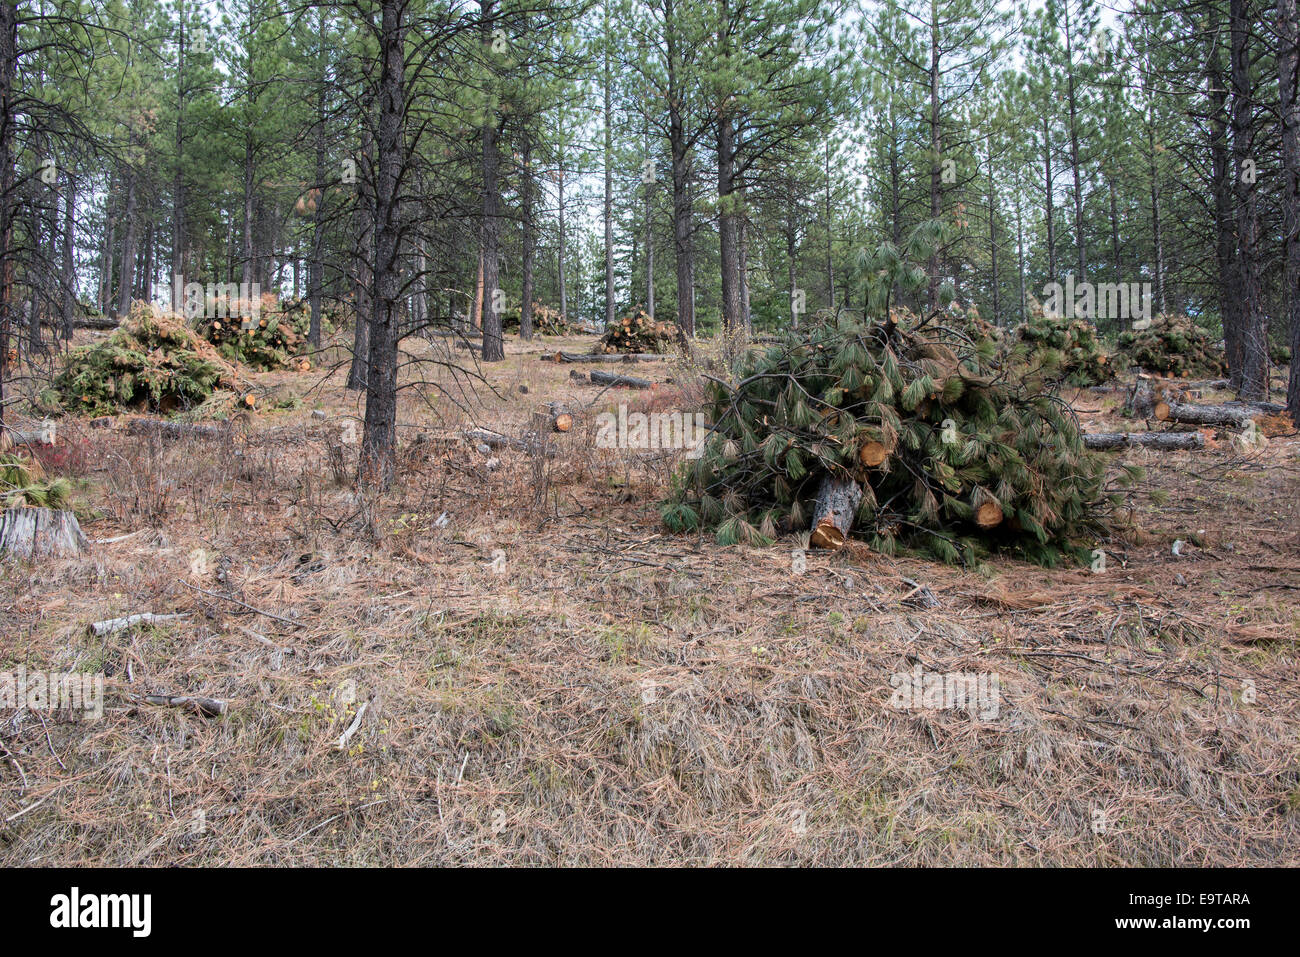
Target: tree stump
(837,504)
(35,532)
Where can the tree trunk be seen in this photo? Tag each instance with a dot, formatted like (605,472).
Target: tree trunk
(379,442)
(530,239)
(609,175)
(1289,74)
(69,269)
(128,246)
(1254,349)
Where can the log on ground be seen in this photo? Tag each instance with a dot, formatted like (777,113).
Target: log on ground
(1164,441)
(627,381)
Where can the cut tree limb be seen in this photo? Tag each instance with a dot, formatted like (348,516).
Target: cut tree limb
(1189,413)
(1166,441)
(837,504)
(212,707)
(166,429)
(111,626)
(34,532)
(612,357)
(610,379)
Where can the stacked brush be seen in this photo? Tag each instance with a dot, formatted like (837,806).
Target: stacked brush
(904,433)
(152,362)
(1174,345)
(637,332)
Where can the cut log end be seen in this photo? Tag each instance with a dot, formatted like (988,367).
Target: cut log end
(873,454)
(837,504)
(1161,410)
(563,422)
(988,515)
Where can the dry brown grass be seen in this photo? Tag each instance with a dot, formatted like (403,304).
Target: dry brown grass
(618,695)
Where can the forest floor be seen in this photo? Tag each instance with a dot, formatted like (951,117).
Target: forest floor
(548,677)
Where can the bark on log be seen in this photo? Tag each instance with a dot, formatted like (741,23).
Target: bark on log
(1165,441)
(166,429)
(34,532)
(111,626)
(612,357)
(212,707)
(837,504)
(1189,413)
(95,322)
(610,379)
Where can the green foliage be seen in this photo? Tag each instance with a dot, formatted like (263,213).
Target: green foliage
(18,486)
(958,430)
(1174,345)
(152,360)
(1068,349)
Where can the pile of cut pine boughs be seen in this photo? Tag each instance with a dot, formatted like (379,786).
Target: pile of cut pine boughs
(1174,345)
(956,450)
(1069,348)
(637,332)
(546,321)
(152,362)
(269,342)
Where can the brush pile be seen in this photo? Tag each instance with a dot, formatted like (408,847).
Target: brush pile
(269,341)
(1068,348)
(546,321)
(153,362)
(1174,346)
(637,332)
(910,437)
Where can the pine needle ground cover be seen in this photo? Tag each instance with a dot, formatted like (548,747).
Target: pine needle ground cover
(152,362)
(956,453)
(637,332)
(1175,346)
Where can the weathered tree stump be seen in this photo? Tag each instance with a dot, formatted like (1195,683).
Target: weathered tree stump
(36,532)
(837,504)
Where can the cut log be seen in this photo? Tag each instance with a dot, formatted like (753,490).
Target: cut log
(166,429)
(988,515)
(35,532)
(1189,413)
(873,454)
(1165,441)
(561,419)
(612,357)
(626,381)
(95,322)
(495,440)
(837,503)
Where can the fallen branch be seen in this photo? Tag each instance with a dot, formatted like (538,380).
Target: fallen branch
(212,707)
(241,604)
(610,379)
(611,357)
(352,728)
(172,430)
(111,626)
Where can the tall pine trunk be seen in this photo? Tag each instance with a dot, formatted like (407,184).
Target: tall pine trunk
(379,443)
(1288,28)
